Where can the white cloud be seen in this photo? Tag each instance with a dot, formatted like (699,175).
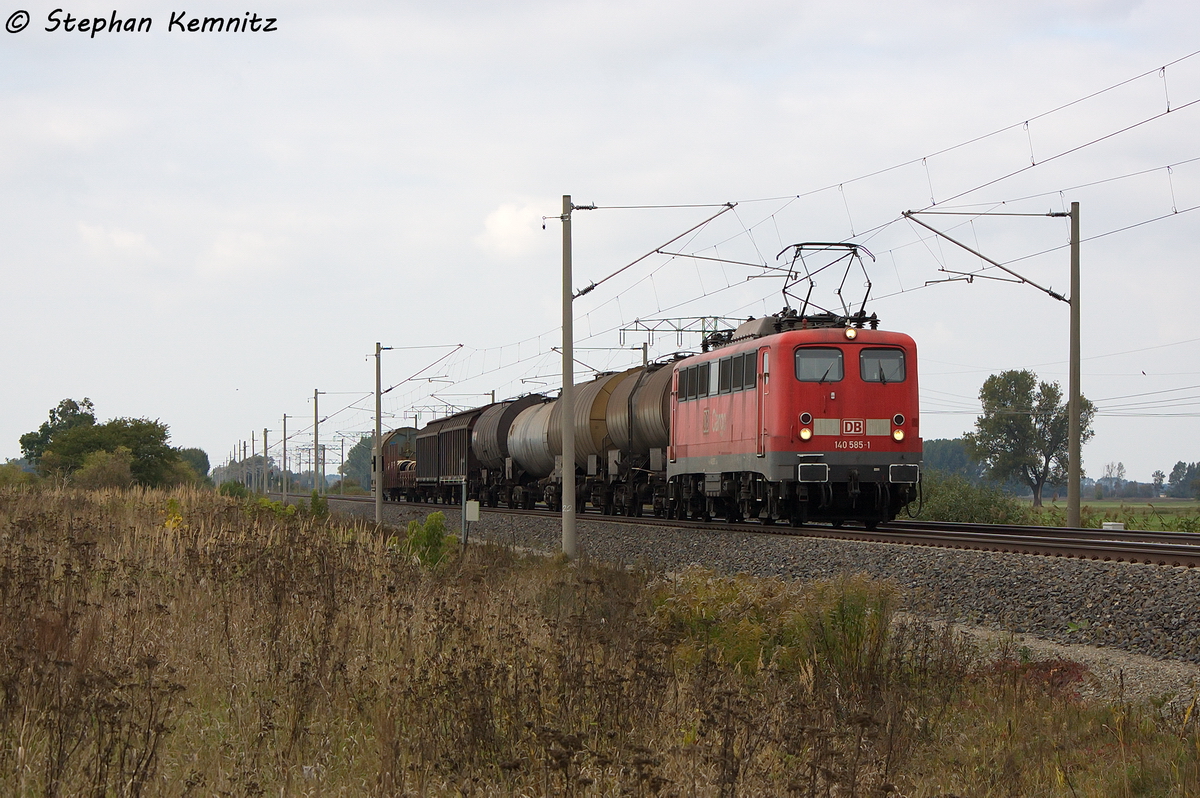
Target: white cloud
(239,252)
(114,244)
(511,231)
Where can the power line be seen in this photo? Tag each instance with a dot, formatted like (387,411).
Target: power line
(1066,152)
(976,139)
(1149,393)
(748,230)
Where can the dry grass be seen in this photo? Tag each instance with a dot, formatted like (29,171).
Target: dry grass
(187,644)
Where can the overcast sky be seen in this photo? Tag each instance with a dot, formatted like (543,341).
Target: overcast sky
(205,227)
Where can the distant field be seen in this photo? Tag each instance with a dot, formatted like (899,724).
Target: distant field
(1180,515)
(1164,506)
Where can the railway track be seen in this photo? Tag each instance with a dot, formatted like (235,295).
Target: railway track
(1179,549)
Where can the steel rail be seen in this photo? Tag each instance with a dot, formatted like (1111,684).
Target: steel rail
(1179,549)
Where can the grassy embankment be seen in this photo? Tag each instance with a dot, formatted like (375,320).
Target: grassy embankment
(188,644)
(952,498)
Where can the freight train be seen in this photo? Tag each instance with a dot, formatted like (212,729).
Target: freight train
(788,418)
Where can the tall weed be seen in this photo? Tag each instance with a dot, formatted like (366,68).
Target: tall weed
(184,643)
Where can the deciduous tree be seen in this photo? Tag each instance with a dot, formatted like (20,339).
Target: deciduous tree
(68,414)
(358,460)
(1183,479)
(1023,431)
(153,460)
(197,459)
(952,457)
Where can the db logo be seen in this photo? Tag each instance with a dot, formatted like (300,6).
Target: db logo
(853,426)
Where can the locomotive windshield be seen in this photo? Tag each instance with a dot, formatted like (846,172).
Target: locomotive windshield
(882,365)
(819,365)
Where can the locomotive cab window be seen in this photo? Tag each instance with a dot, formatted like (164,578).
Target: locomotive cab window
(695,382)
(750,370)
(817,364)
(737,373)
(882,365)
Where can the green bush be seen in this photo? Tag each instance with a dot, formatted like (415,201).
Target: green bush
(103,469)
(233,488)
(13,474)
(263,507)
(952,498)
(428,541)
(319,507)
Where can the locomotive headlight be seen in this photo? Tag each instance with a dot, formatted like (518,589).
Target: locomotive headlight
(851,333)
(898,434)
(805,419)
(805,433)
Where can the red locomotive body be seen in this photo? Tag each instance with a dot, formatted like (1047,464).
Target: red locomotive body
(796,419)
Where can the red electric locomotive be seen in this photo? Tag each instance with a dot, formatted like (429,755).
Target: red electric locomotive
(796,418)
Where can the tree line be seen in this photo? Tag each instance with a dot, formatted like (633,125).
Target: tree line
(72,446)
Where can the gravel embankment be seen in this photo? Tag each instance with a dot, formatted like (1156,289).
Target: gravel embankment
(1146,610)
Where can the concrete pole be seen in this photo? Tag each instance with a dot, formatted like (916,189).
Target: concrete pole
(266,472)
(342,468)
(253,472)
(316,442)
(377,459)
(567,399)
(285,472)
(1074,406)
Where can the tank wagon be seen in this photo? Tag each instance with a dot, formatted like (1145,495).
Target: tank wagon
(788,418)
